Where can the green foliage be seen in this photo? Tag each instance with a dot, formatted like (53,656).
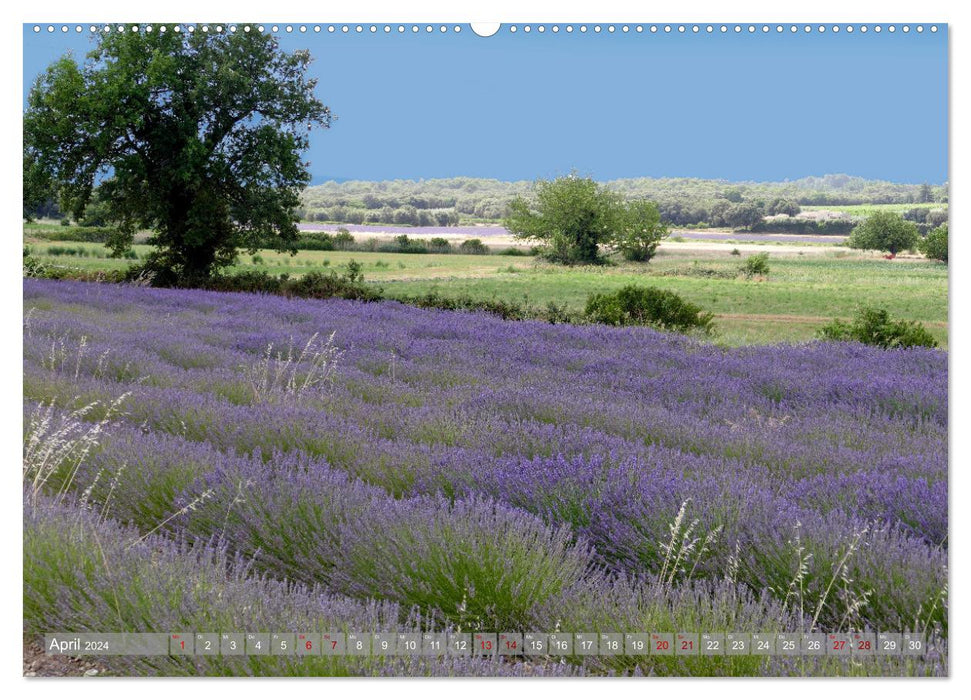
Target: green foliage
(884,231)
(639,231)
(756,265)
(439,245)
(313,285)
(736,252)
(96,213)
(934,244)
(473,246)
(809,227)
(32,266)
(196,136)
(575,217)
(875,327)
(59,250)
(77,234)
(572,217)
(404,244)
(733,194)
(317,285)
(745,215)
(681,201)
(925,194)
(782,206)
(343,239)
(504,308)
(648,306)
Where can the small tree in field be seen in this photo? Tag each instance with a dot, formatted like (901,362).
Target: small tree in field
(196,136)
(572,216)
(934,244)
(884,231)
(639,231)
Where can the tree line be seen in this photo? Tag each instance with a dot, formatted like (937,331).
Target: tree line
(680,201)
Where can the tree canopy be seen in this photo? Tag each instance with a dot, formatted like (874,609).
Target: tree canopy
(639,231)
(934,244)
(572,216)
(575,216)
(884,231)
(196,136)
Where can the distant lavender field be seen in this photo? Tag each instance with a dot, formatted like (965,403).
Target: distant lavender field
(455,470)
(489,231)
(470,231)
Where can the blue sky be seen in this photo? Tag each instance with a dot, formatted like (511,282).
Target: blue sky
(520,106)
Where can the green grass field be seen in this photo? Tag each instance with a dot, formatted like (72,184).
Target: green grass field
(865,209)
(807,286)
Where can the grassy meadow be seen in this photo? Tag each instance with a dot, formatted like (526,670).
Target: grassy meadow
(807,286)
(867,209)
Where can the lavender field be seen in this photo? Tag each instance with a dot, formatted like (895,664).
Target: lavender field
(206,461)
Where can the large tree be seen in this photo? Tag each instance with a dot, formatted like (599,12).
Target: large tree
(572,215)
(639,230)
(576,217)
(196,136)
(884,230)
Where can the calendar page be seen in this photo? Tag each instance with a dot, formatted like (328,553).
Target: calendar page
(522,349)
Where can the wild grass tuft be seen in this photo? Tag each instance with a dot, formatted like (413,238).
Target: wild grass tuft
(286,376)
(56,444)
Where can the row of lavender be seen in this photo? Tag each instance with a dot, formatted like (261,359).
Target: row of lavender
(510,475)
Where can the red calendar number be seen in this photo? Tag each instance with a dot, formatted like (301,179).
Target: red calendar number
(839,644)
(864,645)
(662,645)
(486,644)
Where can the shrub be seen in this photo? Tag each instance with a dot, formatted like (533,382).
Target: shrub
(79,234)
(404,244)
(65,222)
(311,241)
(506,309)
(473,246)
(32,266)
(247,281)
(736,252)
(60,250)
(934,244)
(316,285)
(647,306)
(343,239)
(875,327)
(313,285)
(756,265)
(439,245)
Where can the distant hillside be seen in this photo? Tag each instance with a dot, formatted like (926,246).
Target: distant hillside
(683,201)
